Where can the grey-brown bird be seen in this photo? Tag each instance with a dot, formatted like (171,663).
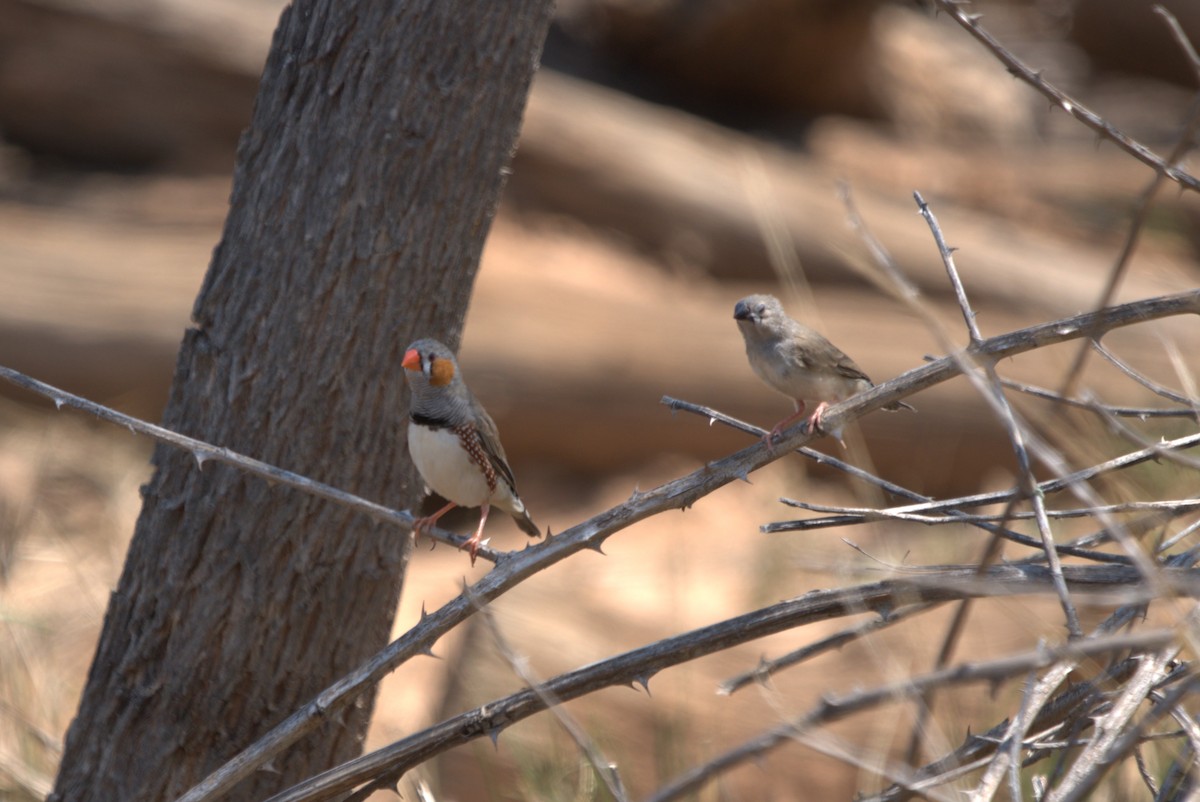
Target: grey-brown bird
(454,443)
(798,362)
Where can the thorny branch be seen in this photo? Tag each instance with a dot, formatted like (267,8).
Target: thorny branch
(970,23)
(833,708)
(514,568)
(380,769)
(206,452)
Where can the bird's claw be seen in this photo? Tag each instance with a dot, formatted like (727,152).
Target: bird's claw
(473,544)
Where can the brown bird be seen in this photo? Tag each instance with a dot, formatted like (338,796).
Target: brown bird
(798,362)
(454,443)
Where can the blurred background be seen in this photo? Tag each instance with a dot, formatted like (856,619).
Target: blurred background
(675,156)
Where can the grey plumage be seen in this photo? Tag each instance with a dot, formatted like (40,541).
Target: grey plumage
(454,442)
(797,361)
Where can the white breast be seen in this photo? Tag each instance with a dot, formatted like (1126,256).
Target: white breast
(446,467)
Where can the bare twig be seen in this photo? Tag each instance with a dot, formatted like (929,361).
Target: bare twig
(821,458)
(993,393)
(1137,223)
(833,708)
(766,668)
(1181,38)
(605,769)
(1006,757)
(1062,709)
(1144,771)
(1046,488)
(1137,376)
(824,743)
(1137,438)
(206,452)
(869,514)
(515,567)
(1091,404)
(949,505)
(970,23)
(947,254)
(1114,739)
(382,767)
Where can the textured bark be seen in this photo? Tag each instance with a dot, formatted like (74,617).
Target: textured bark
(363,192)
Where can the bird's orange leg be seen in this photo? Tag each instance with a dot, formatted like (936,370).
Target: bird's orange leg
(777,430)
(476,540)
(422,524)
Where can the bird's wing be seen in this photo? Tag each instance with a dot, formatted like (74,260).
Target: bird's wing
(845,366)
(810,349)
(489,438)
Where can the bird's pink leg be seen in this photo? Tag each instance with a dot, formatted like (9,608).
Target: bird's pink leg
(777,430)
(422,524)
(814,422)
(476,540)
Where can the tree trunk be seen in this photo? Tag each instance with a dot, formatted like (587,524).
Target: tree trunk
(364,189)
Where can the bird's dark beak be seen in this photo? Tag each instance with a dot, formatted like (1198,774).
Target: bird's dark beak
(742,312)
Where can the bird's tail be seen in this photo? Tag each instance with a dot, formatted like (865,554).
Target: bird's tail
(521,516)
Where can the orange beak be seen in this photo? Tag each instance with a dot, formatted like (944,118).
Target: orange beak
(412,359)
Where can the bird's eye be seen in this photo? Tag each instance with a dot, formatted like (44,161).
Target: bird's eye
(760,310)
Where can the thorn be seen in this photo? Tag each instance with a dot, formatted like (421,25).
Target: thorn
(58,403)
(885,612)
(549,534)
(636,494)
(745,477)
(597,547)
(711,421)
(644,681)
(428,652)
(424,612)
(269,767)
(201,458)
(494,734)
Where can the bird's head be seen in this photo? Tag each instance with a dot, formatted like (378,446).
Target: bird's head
(429,363)
(757,311)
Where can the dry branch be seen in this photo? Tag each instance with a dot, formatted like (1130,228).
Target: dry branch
(834,708)
(970,23)
(677,494)
(513,568)
(206,452)
(381,769)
